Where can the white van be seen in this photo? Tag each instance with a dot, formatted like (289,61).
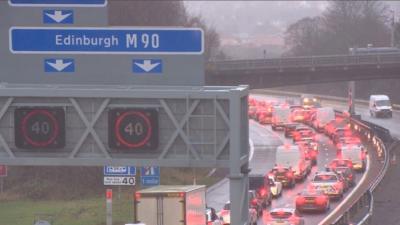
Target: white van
(322,117)
(357,154)
(290,156)
(379,105)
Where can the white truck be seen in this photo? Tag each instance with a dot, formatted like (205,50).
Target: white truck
(171,205)
(380,105)
(322,117)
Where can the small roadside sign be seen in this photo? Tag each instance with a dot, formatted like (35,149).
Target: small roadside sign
(150,175)
(150,181)
(3,170)
(127,181)
(119,171)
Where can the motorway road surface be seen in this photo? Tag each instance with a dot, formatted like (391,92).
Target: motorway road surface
(265,142)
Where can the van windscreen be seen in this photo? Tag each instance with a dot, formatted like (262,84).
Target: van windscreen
(382,103)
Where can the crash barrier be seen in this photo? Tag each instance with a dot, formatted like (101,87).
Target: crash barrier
(380,138)
(322,97)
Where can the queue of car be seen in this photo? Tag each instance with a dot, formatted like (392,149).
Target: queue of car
(294,161)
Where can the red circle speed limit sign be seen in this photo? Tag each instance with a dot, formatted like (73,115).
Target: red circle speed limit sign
(39,128)
(133,128)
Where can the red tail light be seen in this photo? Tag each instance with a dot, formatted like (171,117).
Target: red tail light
(300,201)
(224,212)
(263,192)
(321,200)
(137,196)
(254,202)
(290,175)
(363,155)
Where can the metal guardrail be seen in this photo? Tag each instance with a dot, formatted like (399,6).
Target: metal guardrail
(322,97)
(306,62)
(377,136)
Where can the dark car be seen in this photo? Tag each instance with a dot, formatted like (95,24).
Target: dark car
(339,163)
(289,128)
(310,149)
(347,173)
(284,175)
(260,184)
(255,203)
(302,132)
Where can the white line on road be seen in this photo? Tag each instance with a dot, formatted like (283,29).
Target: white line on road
(251,143)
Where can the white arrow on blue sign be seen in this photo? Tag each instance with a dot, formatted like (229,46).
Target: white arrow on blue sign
(150,171)
(59,65)
(92,40)
(51,16)
(147,66)
(71,3)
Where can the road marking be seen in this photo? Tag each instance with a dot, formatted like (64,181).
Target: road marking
(349,195)
(251,143)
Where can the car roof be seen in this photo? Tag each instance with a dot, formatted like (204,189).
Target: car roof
(325,173)
(292,210)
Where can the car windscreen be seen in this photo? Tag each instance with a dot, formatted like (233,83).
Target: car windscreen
(281,215)
(325,178)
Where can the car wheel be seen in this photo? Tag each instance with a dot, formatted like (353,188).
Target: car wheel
(292,184)
(328,207)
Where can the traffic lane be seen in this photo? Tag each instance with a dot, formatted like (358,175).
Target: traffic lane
(265,142)
(326,154)
(391,124)
(388,123)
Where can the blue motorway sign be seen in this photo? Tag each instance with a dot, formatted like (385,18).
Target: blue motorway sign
(147,66)
(88,40)
(119,170)
(150,171)
(59,65)
(58,2)
(150,181)
(51,16)
(150,175)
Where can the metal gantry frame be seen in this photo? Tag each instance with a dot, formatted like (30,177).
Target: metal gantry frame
(219,112)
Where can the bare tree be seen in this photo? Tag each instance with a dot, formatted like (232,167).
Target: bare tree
(345,24)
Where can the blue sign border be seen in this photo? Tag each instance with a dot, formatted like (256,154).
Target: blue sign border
(190,51)
(48,4)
